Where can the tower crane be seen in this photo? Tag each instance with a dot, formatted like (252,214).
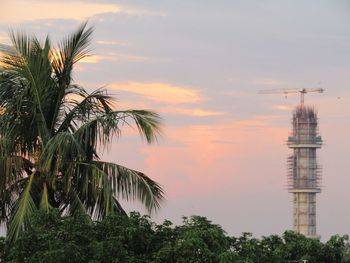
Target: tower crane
(290,91)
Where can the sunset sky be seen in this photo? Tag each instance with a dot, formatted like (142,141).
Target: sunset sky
(200,64)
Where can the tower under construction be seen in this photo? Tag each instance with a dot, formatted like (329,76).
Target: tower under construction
(304,173)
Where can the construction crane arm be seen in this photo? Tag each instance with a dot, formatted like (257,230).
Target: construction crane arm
(288,91)
(277,91)
(320,90)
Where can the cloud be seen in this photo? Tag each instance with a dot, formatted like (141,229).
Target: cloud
(19,11)
(111,42)
(195,112)
(260,120)
(163,98)
(115,57)
(91,59)
(4,39)
(172,109)
(160,92)
(282,107)
(253,123)
(202,113)
(267,117)
(212,156)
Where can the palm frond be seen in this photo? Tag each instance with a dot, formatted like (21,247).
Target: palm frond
(132,185)
(44,203)
(100,130)
(119,207)
(13,169)
(148,123)
(61,148)
(22,211)
(72,49)
(100,184)
(73,204)
(92,189)
(91,105)
(29,62)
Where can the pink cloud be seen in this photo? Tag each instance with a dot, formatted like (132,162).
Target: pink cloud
(202,159)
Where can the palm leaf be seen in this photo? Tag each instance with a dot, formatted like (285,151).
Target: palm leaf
(13,169)
(22,211)
(72,49)
(132,185)
(61,148)
(100,130)
(91,105)
(147,122)
(100,184)
(32,65)
(44,203)
(73,204)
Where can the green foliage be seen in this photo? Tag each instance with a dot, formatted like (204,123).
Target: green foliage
(135,238)
(122,238)
(51,134)
(51,238)
(291,247)
(197,240)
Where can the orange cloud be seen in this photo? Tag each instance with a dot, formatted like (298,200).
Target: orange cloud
(160,92)
(192,112)
(173,109)
(91,59)
(205,113)
(18,11)
(282,107)
(258,121)
(117,57)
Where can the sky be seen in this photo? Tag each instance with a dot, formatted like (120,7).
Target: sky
(200,64)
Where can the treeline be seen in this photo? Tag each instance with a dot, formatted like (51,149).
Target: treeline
(118,238)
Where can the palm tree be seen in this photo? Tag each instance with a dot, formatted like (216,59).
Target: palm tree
(51,133)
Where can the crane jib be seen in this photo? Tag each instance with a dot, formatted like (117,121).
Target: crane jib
(302,92)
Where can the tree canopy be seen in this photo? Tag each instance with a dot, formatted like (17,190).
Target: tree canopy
(119,238)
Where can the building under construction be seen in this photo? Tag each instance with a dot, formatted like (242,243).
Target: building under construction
(304,173)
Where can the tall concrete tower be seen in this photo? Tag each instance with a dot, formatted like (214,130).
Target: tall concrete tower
(304,173)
